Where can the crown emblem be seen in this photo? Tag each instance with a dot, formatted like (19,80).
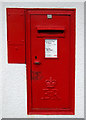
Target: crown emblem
(50,83)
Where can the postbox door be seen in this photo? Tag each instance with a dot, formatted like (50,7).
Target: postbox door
(50,62)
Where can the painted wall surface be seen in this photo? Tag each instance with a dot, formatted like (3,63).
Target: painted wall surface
(14,99)
(0,61)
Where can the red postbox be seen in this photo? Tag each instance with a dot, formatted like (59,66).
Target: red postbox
(50,61)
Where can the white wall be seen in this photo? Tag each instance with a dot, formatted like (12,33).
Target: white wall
(14,75)
(0,61)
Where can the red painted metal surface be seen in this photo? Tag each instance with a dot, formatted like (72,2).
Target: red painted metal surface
(50,84)
(16,35)
(50,81)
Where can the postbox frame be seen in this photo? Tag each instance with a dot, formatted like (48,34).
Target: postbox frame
(67,12)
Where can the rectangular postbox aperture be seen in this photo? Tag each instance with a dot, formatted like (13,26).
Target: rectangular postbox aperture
(50,61)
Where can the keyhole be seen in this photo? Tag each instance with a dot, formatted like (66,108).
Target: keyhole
(35,57)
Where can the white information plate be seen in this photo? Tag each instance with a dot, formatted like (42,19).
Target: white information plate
(50,48)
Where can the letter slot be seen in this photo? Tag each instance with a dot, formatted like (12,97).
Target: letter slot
(50,31)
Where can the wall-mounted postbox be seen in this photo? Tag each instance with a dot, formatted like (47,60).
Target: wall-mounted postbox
(50,59)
